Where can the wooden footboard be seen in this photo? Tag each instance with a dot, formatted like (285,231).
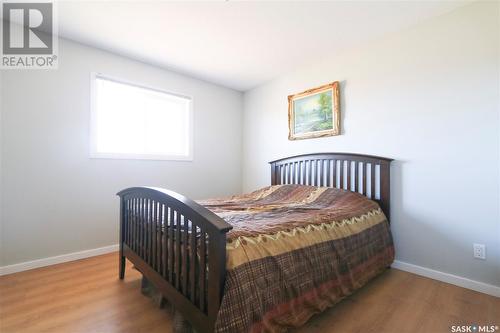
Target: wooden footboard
(180,246)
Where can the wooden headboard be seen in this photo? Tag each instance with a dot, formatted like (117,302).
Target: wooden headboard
(366,174)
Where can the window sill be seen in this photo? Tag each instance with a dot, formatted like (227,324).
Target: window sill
(151,157)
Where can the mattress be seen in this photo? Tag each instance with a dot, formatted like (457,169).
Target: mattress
(296,250)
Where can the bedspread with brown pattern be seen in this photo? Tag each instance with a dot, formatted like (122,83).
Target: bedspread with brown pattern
(296,250)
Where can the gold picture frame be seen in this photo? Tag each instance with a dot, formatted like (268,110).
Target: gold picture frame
(314,113)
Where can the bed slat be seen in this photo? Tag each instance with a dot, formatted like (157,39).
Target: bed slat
(185,255)
(320,169)
(356,177)
(171,246)
(349,175)
(178,259)
(203,263)
(192,263)
(364,178)
(372,181)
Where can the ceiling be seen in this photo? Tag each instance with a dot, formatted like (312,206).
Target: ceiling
(236,44)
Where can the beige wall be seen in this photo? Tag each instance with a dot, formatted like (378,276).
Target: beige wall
(56,200)
(427,97)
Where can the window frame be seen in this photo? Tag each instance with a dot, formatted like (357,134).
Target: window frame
(131,156)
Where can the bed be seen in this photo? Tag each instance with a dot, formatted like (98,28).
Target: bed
(270,259)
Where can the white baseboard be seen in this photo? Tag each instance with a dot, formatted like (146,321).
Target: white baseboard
(24,266)
(448,278)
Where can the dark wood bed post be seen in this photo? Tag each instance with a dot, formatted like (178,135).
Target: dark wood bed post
(356,172)
(385,188)
(217,272)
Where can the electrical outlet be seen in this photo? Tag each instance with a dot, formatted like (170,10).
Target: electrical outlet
(480,251)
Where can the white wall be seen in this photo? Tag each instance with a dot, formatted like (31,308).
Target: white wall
(56,199)
(427,97)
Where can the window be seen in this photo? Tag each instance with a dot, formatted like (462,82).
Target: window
(131,121)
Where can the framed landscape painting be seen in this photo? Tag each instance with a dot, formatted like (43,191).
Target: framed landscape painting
(314,113)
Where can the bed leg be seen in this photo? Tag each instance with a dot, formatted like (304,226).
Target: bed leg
(122,267)
(123,219)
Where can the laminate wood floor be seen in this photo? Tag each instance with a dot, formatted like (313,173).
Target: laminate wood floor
(87,296)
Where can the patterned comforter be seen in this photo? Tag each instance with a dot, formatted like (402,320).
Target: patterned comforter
(296,250)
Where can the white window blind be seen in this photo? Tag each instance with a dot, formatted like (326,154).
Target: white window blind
(131,121)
